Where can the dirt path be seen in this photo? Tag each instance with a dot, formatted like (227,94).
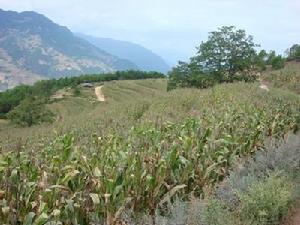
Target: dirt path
(263,85)
(99,94)
(294,219)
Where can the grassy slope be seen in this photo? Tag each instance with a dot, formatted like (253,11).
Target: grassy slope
(287,78)
(84,112)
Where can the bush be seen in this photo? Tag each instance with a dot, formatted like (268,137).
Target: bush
(76,91)
(31,111)
(277,62)
(216,213)
(294,52)
(268,201)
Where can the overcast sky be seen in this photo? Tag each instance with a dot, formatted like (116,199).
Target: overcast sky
(172,28)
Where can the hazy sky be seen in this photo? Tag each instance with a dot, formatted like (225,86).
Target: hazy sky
(172,28)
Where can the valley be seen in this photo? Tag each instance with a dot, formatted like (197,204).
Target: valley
(101,131)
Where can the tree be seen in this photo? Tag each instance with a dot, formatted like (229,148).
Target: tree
(294,51)
(179,76)
(277,62)
(29,112)
(271,56)
(227,51)
(222,58)
(261,59)
(190,75)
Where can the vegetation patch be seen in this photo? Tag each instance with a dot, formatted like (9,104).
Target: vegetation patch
(31,111)
(145,166)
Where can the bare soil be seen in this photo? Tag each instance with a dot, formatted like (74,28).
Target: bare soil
(99,94)
(294,217)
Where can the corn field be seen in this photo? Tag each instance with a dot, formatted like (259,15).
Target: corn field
(142,166)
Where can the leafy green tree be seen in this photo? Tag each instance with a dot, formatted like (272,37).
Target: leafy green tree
(179,76)
(29,112)
(190,75)
(271,56)
(261,59)
(277,62)
(227,55)
(227,51)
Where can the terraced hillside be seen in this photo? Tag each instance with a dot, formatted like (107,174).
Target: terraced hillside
(137,150)
(84,112)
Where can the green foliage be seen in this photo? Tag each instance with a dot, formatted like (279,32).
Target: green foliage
(216,213)
(270,56)
(188,75)
(76,91)
(294,52)
(288,78)
(12,98)
(261,60)
(277,62)
(262,189)
(226,56)
(31,111)
(228,50)
(267,201)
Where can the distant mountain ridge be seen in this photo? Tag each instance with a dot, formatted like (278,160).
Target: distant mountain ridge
(32,47)
(144,58)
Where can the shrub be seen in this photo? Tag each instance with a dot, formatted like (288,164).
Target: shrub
(31,111)
(136,111)
(267,202)
(216,213)
(76,91)
(277,62)
(254,177)
(294,52)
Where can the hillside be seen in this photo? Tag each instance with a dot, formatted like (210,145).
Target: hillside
(139,101)
(33,47)
(140,147)
(287,78)
(144,58)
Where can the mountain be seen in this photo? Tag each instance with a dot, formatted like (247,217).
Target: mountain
(144,58)
(32,47)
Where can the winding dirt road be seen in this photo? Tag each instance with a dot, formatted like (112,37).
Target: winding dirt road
(99,94)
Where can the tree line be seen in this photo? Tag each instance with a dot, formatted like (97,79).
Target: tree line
(228,55)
